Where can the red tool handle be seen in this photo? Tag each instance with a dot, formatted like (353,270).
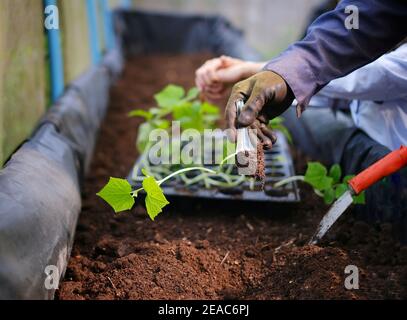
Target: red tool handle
(391,163)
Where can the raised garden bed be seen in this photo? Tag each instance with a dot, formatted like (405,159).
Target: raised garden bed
(200,250)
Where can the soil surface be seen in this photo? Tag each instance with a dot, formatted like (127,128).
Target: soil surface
(260,170)
(208,250)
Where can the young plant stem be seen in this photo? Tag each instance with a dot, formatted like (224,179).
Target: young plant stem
(226,159)
(295,178)
(229,179)
(185,170)
(318,193)
(193,180)
(288,180)
(229,170)
(226,184)
(206,181)
(251,184)
(135,192)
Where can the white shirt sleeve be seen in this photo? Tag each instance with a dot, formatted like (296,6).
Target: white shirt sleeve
(382,80)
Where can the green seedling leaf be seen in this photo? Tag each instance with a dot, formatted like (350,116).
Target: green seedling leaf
(316,176)
(195,115)
(117,193)
(329,195)
(210,120)
(159,112)
(347,178)
(277,124)
(143,135)
(161,123)
(340,189)
(280,158)
(229,148)
(284,131)
(335,173)
(275,121)
(192,94)
(182,111)
(155,199)
(140,113)
(360,198)
(170,96)
(190,117)
(209,108)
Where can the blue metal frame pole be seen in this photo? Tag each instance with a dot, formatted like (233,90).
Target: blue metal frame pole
(93,31)
(55,58)
(108,26)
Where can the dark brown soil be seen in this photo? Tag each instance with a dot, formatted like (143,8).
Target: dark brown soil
(208,250)
(260,170)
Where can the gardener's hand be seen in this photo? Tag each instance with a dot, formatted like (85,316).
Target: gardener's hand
(215,76)
(267,95)
(264,134)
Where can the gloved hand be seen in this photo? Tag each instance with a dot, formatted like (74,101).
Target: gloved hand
(267,95)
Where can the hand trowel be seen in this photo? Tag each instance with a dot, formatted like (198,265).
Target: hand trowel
(246,147)
(391,163)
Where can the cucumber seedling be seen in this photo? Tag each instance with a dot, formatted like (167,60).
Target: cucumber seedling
(326,184)
(119,195)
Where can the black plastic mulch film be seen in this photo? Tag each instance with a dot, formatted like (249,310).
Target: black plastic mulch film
(278,166)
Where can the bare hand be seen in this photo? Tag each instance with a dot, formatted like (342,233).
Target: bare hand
(215,76)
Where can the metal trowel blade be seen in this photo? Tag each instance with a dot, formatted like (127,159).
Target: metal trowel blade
(332,215)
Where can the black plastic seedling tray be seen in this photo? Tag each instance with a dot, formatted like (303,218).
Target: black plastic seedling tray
(278,166)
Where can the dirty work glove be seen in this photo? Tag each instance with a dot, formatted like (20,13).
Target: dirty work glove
(267,95)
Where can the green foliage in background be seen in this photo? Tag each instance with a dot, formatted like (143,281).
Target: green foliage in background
(174,104)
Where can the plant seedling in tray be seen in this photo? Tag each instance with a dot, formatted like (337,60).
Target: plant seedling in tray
(173,103)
